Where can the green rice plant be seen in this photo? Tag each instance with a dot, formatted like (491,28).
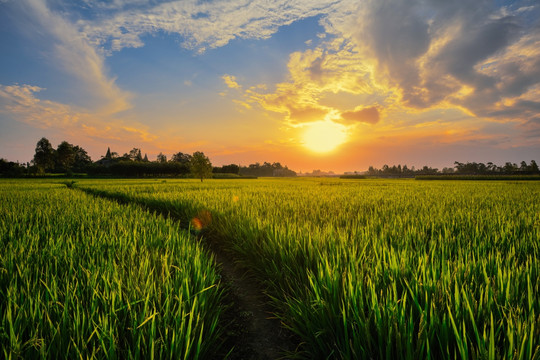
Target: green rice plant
(83,277)
(393,269)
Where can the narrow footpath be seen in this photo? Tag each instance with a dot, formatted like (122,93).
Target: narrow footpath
(253,332)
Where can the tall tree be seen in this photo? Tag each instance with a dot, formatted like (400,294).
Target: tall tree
(65,153)
(534,167)
(161,158)
(200,165)
(135,154)
(44,156)
(82,159)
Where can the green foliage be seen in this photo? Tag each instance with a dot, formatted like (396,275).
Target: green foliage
(11,169)
(266,170)
(200,166)
(44,156)
(65,154)
(82,277)
(380,269)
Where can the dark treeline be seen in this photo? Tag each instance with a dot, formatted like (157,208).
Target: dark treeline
(66,158)
(72,159)
(468,168)
(266,169)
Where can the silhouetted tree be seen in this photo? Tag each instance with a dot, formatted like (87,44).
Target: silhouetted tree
(200,165)
(82,160)
(44,155)
(161,158)
(227,169)
(65,154)
(134,154)
(181,158)
(534,167)
(11,169)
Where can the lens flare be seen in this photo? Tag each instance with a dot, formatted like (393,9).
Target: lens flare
(202,220)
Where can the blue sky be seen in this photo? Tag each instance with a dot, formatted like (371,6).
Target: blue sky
(389,81)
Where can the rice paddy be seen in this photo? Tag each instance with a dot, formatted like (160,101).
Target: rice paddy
(356,269)
(82,277)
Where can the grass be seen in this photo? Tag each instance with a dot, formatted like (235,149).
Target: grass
(478,177)
(393,269)
(82,277)
(388,269)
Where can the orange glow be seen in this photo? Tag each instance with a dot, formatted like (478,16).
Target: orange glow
(201,221)
(323,136)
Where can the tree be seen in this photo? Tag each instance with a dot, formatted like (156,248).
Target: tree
(181,158)
(65,153)
(134,154)
(534,167)
(230,169)
(200,165)
(161,158)
(82,160)
(44,156)
(509,168)
(11,169)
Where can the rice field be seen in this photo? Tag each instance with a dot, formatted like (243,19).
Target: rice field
(357,269)
(83,277)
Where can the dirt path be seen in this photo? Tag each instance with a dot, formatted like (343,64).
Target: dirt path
(258,335)
(253,332)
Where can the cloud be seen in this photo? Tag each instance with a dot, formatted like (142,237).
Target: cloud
(118,132)
(473,56)
(332,68)
(368,115)
(78,57)
(230,81)
(403,56)
(19,100)
(201,25)
(20,103)
(417,56)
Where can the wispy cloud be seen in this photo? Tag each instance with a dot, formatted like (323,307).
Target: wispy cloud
(201,25)
(79,58)
(20,103)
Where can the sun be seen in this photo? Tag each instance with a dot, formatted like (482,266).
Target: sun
(323,136)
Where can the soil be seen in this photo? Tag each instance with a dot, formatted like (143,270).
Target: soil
(255,332)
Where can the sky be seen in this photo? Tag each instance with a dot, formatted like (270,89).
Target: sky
(334,85)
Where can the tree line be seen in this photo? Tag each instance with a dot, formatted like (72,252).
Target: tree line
(468,168)
(70,159)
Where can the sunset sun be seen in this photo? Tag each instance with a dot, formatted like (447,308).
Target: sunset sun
(323,136)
